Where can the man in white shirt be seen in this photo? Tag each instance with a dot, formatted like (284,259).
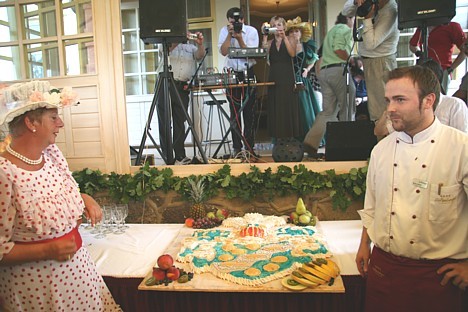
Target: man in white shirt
(238,35)
(416,207)
(378,48)
(183,58)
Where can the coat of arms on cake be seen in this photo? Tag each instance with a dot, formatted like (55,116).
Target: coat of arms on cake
(254,249)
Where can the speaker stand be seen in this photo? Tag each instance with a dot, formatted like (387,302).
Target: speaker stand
(166,84)
(425,36)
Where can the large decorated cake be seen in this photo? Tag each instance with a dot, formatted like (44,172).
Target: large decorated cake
(253,249)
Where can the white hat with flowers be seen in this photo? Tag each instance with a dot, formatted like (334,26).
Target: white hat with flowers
(20,98)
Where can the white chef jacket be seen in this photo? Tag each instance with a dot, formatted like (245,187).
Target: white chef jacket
(416,198)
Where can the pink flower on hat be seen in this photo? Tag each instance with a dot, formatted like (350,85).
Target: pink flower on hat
(67,96)
(36,96)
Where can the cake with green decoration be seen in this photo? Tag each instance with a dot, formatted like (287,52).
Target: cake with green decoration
(252,250)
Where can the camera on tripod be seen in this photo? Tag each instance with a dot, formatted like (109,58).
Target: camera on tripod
(366,7)
(237,25)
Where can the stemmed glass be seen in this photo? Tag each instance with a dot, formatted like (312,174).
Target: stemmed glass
(108,217)
(98,231)
(120,218)
(86,223)
(124,208)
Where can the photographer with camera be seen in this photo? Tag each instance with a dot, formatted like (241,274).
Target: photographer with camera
(183,58)
(284,118)
(306,56)
(238,35)
(378,46)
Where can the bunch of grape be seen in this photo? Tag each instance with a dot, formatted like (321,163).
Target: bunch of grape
(204,223)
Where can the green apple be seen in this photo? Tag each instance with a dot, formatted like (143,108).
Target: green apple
(304,219)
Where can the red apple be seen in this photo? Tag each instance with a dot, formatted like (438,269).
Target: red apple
(173,273)
(189,222)
(222,214)
(165,262)
(159,274)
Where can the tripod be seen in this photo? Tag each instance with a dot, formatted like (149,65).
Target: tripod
(166,84)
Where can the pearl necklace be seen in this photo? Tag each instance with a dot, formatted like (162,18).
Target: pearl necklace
(23,158)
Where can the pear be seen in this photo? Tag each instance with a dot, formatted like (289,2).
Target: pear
(300,207)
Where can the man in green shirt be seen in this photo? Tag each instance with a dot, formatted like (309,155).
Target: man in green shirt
(335,52)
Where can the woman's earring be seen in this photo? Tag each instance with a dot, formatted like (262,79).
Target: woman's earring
(34,130)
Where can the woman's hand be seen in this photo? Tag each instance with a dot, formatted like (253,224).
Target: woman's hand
(61,249)
(92,209)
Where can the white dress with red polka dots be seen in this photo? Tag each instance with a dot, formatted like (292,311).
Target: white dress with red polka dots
(38,205)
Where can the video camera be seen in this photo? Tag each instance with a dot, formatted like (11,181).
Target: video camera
(269,30)
(366,7)
(237,25)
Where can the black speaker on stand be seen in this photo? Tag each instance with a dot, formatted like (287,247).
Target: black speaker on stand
(163,23)
(162,19)
(424,13)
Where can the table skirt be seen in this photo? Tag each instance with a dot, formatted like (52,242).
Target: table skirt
(126,293)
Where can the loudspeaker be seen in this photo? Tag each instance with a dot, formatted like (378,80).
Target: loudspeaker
(162,20)
(415,13)
(349,140)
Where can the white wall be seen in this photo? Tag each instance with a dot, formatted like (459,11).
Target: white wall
(334,7)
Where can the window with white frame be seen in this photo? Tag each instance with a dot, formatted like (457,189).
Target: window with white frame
(46,38)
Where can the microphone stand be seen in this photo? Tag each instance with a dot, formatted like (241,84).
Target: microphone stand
(189,87)
(350,100)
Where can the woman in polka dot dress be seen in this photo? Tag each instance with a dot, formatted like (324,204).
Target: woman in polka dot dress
(43,266)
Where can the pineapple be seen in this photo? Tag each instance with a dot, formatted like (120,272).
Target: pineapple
(197,195)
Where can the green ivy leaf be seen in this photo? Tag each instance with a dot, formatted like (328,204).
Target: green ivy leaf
(357,190)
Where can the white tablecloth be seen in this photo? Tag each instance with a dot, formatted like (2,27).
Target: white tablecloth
(134,253)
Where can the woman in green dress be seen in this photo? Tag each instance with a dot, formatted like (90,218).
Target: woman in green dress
(306,56)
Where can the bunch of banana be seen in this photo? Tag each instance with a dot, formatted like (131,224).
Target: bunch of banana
(312,274)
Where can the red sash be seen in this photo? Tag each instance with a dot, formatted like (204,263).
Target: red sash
(406,285)
(73,233)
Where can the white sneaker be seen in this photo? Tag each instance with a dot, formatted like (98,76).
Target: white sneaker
(184,161)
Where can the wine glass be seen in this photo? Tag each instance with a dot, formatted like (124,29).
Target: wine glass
(98,231)
(119,218)
(124,208)
(108,217)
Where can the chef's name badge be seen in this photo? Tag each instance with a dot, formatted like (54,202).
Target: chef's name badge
(420,183)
